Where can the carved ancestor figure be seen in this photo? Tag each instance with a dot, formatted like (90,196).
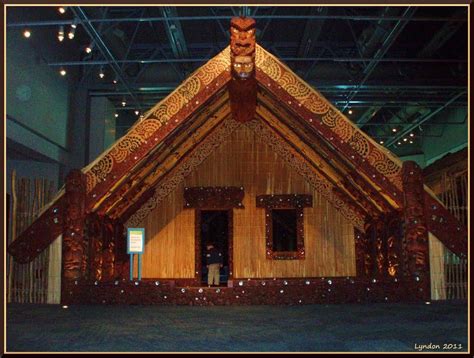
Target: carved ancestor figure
(74,223)
(243,86)
(416,232)
(109,252)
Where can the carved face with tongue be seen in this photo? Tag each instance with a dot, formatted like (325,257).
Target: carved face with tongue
(242,45)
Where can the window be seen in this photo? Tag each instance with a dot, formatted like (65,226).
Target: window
(284,225)
(284,229)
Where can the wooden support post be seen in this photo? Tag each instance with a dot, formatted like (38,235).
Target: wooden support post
(73,232)
(416,249)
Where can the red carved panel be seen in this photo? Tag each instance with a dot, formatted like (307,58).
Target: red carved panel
(379,249)
(74,225)
(416,248)
(214,197)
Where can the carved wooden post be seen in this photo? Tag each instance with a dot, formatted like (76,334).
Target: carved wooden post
(243,86)
(73,231)
(416,249)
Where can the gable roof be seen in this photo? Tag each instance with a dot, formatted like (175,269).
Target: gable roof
(354,173)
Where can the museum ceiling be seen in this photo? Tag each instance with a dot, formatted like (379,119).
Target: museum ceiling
(389,69)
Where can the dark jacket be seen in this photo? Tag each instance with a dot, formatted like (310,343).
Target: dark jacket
(213,256)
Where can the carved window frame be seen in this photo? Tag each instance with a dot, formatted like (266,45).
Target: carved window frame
(285,201)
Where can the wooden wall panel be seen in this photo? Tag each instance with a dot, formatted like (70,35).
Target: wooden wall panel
(244,161)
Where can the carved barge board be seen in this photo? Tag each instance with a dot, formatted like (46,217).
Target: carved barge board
(126,153)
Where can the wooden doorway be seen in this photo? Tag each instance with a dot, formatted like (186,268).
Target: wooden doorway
(215,226)
(213,203)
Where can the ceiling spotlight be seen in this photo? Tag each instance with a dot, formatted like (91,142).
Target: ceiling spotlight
(27,33)
(381,142)
(115,81)
(101,73)
(350,111)
(412,135)
(71,32)
(88,49)
(399,143)
(116,115)
(394,130)
(411,142)
(62,9)
(124,103)
(404,139)
(61,33)
(137,113)
(62,71)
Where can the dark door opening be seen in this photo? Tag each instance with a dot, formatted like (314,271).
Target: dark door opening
(215,229)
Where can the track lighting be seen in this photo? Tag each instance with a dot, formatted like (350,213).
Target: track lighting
(89,48)
(72,32)
(61,33)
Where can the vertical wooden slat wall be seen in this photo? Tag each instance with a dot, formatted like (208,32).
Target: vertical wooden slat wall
(28,283)
(245,161)
(449,272)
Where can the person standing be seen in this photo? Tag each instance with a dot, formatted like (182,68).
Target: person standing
(214,262)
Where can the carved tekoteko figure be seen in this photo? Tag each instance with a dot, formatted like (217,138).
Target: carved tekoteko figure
(416,232)
(243,86)
(74,223)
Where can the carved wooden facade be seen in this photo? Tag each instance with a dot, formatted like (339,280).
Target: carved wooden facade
(245,87)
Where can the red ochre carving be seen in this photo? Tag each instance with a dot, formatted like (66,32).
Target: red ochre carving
(243,86)
(416,231)
(74,225)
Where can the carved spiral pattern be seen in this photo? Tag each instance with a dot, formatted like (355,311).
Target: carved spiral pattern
(271,68)
(125,147)
(189,89)
(147,128)
(102,168)
(316,104)
(343,129)
(294,87)
(91,181)
(360,144)
(330,118)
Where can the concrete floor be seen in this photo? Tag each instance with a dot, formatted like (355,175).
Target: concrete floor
(311,328)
